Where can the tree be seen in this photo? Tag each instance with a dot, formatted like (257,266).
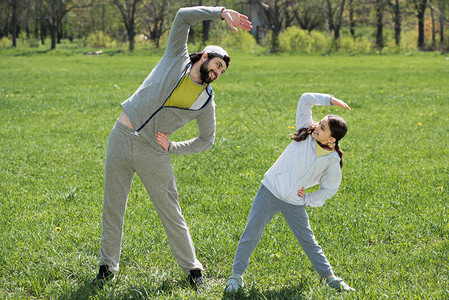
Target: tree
(14,22)
(432,17)
(335,16)
(420,7)
(440,5)
(56,10)
(442,18)
(380,8)
(206,26)
(155,17)
(4,18)
(397,19)
(275,11)
(40,25)
(308,14)
(351,18)
(128,11)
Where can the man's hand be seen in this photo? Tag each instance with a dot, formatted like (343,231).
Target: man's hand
(235,19)
(163,140)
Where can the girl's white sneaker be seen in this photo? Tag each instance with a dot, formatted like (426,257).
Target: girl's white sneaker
(339,285)
(235,282)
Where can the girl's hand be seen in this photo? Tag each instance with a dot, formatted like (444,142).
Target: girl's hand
(301,192)
(163,140)
(338,102)
(234,19)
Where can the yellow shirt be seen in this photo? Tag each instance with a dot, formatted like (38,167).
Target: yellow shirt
(320,151)
(186,93)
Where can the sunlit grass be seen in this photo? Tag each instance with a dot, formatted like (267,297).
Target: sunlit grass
(385,232)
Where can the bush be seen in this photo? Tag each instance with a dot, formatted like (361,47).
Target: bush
(33,43)
(241,41)
(294,39)
(99,39)
(5,42)
(409,41)
(348,44)
(320,42)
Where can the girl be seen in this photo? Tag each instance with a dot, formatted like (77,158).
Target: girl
(314,157)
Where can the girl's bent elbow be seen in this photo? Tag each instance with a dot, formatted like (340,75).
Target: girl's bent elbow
(306,95)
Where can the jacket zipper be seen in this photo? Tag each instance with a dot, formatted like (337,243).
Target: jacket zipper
(182,76)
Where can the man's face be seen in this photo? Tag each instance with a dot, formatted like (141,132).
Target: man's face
(211,69)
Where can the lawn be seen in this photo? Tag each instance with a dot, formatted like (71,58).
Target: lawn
(385,232)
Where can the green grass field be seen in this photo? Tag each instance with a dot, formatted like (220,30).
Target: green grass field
(386,232)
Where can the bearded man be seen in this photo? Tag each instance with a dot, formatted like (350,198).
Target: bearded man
(176,92)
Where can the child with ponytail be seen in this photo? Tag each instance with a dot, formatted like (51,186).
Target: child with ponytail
(313,157)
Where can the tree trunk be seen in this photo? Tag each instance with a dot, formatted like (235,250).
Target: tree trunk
(420,6)
(27,30)
(335,25)
(53,32)
(43,31)
(379,21)
(40,19)
(440,6)
(339,19)
(103,14)
(397,23)
(14,23)
(36,19)
(420,30)
(131,33)
(206,29)
(128,14)
(337,33)
(59,33)
(433,23)
(351,18)
(276,28)
(330,17)
(206,26)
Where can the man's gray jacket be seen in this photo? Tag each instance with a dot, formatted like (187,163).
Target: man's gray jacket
(145,108)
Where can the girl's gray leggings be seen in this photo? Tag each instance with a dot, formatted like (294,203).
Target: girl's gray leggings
(265,206)
(128,153)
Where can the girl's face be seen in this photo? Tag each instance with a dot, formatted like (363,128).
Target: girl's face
(322,132)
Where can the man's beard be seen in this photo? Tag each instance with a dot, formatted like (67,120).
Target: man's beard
(204,71)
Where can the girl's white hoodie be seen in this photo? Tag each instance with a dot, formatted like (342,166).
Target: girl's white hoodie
(298,166)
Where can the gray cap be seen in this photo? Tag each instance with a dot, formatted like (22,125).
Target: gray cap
(216,50)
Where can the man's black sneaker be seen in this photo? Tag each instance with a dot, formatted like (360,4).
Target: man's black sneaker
(196,280)
(103,275)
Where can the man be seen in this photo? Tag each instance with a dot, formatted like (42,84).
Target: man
(176,92)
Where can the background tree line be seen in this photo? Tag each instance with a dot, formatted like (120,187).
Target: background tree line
(123,20)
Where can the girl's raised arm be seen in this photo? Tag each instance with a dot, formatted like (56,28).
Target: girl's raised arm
(305,104)
(338,102)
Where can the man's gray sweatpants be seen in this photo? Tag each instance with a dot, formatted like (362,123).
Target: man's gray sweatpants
(265,206)
(127,153)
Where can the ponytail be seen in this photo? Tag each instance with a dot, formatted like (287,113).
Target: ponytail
(340,153)
(303,133)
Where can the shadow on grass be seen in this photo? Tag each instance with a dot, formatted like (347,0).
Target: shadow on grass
(31,52)
(167,287)
(112,290)
(84,290)
(288,292)
(27,52)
